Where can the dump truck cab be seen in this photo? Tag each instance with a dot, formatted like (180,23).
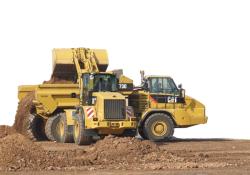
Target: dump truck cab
(162,106)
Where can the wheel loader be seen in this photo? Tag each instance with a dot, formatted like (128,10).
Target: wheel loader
(90,105)
(161,106)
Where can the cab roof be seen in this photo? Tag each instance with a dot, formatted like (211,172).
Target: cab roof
(157,76)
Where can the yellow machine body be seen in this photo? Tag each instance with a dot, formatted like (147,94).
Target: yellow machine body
(185,111)
(184,115)
(53,99)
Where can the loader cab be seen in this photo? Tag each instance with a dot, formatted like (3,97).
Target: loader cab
(99,82)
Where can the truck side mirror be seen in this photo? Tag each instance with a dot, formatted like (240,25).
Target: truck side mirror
(183,93)
(145,86)
(180,86)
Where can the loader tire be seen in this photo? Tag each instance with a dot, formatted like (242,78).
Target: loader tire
(35,127)
(158,127)
(79,134)
(50,127)
(57,129)
(64,131)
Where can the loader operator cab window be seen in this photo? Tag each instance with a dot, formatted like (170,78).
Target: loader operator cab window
(105,83)
(162,85)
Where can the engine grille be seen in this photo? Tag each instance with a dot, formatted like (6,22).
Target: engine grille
(114,109)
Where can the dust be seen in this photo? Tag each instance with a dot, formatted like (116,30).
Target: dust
(24,108)
(6,130)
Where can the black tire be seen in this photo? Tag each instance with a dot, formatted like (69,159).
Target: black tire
(141,133)
(52,129)
(35,127)
(67,135)
(158,127)
(49,127)
(80,137)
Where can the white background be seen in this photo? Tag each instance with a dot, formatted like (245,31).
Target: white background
(202,44)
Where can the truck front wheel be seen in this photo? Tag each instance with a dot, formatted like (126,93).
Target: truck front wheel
(141,132)
(50,127)
(158,127)
(79,133)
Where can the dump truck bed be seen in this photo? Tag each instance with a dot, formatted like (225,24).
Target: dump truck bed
(50,97)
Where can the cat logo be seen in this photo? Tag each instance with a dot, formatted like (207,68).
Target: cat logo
(172,99)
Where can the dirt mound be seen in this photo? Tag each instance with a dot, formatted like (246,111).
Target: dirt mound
(6,130)
(117,149)
(24,107)
(128,153)
(19,153)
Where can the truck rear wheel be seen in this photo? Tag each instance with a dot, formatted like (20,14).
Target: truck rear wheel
(79,134)
(35,127)
(50,127)
(158,127)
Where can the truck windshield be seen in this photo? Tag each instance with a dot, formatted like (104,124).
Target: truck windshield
(105,82)
(162,85)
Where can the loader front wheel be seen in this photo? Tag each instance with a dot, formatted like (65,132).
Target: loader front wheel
(79,133)
(159,127)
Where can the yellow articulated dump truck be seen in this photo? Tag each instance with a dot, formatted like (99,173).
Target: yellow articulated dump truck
(161,106)
(88,106)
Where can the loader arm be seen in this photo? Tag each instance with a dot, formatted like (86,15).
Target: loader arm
(87,59)
(72,63)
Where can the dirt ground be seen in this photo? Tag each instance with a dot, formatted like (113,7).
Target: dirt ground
(112,155)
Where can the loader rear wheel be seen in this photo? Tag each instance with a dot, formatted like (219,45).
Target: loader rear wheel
(79,133)
(159,127)
(57,129)
(35,127)
(64,131)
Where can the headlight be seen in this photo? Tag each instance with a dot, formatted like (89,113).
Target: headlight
(129,111)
